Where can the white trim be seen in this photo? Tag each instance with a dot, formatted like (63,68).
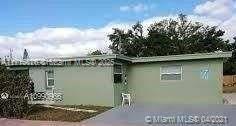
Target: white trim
(47,78)
(181,72)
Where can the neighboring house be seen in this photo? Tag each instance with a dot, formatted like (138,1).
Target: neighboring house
(100,80)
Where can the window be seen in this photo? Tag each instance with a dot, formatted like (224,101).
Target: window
(50,78)
(117,73)
(171,73)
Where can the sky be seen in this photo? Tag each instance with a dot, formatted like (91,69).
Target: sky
(52,28)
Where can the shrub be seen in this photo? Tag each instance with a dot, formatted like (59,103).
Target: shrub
(16,84)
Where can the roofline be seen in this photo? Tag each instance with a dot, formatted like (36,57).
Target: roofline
(214,55)
(91,57)
(110,56)
(152,58)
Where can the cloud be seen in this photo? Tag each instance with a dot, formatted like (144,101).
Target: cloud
(217,8)
(56,42)
(136,7)
(194,18)
(222,10)
(229,27)
(140,8)
(125,8)
(72,41)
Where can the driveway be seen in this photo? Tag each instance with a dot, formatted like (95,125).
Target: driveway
(17,122)
(135,115)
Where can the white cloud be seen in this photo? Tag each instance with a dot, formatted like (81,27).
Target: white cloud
(193,18)
(54,42)
(229,27)
(222,10)
(136,7)
(125,8)
(216,8)
(140,7)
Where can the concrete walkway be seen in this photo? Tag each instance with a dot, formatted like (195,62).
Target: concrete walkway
(71,109)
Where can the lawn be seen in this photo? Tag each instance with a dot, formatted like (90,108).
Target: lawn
(39,112)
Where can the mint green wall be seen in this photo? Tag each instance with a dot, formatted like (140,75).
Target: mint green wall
(85,85)
(94,85)
(37,74)
(145,85)
(79,85)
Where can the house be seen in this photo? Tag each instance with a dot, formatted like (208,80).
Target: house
(100,79)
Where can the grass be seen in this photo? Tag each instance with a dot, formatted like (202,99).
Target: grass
(50,114)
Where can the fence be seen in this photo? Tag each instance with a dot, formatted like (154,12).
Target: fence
(229,84)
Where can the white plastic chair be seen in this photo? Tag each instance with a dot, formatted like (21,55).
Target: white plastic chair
(126,97)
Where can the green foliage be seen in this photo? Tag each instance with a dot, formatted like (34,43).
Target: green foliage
(16,84)
(169,37)
(230,64)
(25,55)
(97,52)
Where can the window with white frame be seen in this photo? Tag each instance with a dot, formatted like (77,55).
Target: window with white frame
(171,72)
(50,78)
(118,73)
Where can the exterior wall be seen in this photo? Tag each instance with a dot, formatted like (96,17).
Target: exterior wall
(145,85)
(79,85)
(94,85)
(37,75)
(85,85)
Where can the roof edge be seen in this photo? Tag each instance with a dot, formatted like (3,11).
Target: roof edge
(214,55)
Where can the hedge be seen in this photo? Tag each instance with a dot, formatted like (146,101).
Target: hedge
(17,85)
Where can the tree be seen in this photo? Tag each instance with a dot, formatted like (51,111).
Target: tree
(230,64)
(97,52)
(25,55)
(172,37)
(168,37)
(14,83)
(128,43)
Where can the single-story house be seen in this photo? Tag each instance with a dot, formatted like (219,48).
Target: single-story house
(100,79)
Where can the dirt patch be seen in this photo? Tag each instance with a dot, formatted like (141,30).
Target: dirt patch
(50,114)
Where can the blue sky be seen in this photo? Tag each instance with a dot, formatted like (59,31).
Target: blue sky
(52,28)
(28,15)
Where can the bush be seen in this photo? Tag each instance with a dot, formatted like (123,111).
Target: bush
(17,85)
